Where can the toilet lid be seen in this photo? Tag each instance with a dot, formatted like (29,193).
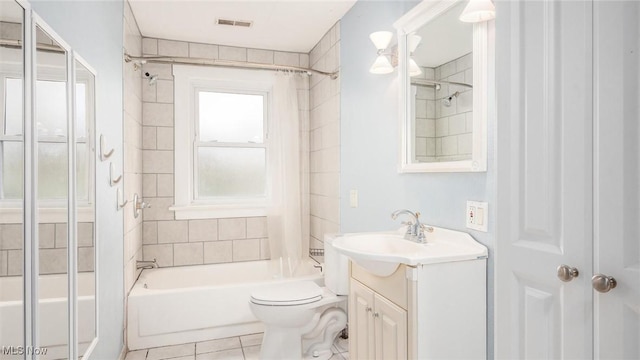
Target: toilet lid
(287,294)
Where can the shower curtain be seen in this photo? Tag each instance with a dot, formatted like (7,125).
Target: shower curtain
(284,214)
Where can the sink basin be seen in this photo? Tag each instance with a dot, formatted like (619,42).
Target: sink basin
(382,252)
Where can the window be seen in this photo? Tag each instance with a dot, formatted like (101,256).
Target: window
(51,117)
(230,148)
(221,142)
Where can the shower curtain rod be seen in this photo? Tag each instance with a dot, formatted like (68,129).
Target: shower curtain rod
(435,83)
(138,60)
(17,44)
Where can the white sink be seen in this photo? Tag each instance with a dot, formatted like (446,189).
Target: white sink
(382,252)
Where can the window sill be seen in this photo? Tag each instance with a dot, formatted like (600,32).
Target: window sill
(46,215)
(194,212)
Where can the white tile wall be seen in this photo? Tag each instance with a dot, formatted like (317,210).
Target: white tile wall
(134,139)
(176,243)
(324,139)
(441,131)
(53,243)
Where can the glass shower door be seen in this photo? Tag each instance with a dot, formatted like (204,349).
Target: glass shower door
(11,180)
(53,161)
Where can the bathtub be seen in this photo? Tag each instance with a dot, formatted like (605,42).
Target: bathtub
(52,312)
(178,305)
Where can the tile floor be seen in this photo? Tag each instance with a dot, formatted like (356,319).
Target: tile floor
(234,348)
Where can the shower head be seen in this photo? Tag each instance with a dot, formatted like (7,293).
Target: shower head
(152,78)
(447,101)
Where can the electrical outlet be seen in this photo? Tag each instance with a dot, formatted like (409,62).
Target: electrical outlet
(477,215)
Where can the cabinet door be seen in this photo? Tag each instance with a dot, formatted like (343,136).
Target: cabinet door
(544,203)
(390,329)
(617,178)
(361,339)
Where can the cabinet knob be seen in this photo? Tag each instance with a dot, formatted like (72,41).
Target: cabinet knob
(567,273)
(603,283)
(375,315)
(368,309)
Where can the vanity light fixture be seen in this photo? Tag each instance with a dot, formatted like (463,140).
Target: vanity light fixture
(478,11)
(381,40)
(384,63)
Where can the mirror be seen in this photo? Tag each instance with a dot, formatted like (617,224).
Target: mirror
(52,130)
(84,119)
(442,68)
(11,176)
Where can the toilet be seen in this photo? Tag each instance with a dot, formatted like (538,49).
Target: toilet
(301,318)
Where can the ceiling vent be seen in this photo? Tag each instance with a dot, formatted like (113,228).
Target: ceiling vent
(240,23)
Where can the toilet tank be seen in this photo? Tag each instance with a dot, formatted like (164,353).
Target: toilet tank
(336,267)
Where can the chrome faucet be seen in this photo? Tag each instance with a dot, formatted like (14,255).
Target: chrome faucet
(415,230)
(146,264)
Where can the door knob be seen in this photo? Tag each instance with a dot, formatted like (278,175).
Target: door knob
(567,273)
(603,283)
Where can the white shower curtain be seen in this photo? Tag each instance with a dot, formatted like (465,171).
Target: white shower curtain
(284,214)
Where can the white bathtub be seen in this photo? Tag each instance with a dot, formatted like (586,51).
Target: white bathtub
(195,303)
(52,312)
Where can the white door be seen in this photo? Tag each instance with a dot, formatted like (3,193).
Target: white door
(545,193)
(617,178)
(362,337)
(390,329)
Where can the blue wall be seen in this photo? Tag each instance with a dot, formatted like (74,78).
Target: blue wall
(94,30)
(370,145)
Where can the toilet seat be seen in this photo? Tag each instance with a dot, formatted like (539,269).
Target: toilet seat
(288,294)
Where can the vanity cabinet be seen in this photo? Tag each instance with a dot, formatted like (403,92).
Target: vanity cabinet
(379,326)
(434,311)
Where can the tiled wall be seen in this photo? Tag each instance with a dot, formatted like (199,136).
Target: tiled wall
(444,133)
(324,102)
(189,242)
(132,148)
(53,248)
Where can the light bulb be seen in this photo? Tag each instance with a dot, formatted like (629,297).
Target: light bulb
(478,11)
(382,65)
(381,39)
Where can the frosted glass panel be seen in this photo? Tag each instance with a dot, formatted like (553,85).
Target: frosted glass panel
(13,107)
(231,172)
(86,244)
(12,165)
(53,181)
(81,110)
(11,186)
(82,174)
(52,170)
(51,108)
(225,117)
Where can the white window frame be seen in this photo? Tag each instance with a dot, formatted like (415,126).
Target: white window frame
(54,210)
(188,82)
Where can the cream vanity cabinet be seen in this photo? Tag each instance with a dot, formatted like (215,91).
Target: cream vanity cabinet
(379,326)
(434,311)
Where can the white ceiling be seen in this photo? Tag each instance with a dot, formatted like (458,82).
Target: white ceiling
(444,38)
(285,25)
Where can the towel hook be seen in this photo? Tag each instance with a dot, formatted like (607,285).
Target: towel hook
(104,155)
(113,181)
(119,203)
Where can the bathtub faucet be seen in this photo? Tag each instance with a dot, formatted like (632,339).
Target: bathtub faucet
(415,231)
(146,264)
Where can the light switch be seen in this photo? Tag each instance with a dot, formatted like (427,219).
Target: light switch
(353,198)
(476,215)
